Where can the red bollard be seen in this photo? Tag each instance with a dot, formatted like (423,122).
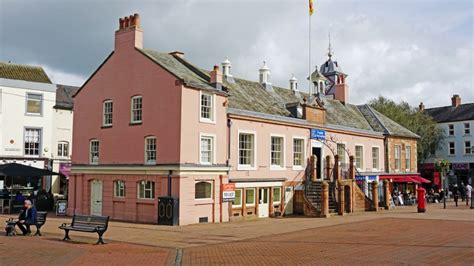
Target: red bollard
(421,199)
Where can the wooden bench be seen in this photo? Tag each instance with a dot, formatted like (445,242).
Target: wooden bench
(88,224)
(40,221)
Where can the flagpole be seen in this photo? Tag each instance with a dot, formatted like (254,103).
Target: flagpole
(309,67)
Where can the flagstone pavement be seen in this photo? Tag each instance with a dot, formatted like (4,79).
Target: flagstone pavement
(400,236)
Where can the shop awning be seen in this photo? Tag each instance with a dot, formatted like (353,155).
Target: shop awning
(405,178)
(20,170)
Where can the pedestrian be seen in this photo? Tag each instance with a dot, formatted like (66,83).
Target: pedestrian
(456,194)
(468,191)
(462,191)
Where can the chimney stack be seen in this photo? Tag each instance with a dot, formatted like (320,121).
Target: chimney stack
(421,107)
(216,78)
(129,34)
(455,100)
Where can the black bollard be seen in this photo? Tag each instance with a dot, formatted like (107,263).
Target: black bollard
(444,202)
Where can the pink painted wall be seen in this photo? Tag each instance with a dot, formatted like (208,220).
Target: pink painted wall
(128,73)
(192,127)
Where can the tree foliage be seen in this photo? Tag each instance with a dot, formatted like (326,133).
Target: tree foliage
(411,118)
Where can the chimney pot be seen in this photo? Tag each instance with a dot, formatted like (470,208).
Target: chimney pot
(455,100)
(126,22)
(137,19)
(121,22)
(132,20)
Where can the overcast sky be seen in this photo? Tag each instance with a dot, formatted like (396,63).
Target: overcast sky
(411,50)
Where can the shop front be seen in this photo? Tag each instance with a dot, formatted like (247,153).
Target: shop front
(256,199)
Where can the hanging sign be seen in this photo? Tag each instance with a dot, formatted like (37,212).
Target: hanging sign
(318,134)
(228,192)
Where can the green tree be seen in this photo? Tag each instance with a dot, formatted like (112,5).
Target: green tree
(417,122)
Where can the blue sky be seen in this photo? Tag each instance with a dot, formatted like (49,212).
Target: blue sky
(414,50)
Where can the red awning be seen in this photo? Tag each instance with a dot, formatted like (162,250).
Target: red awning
(405,178)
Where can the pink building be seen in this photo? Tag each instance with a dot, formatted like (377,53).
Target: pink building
(145,117)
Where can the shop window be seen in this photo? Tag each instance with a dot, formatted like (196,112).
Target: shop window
(276,195)
(119,189)
(203,190)
(250,196)
(238,199)
(146,189)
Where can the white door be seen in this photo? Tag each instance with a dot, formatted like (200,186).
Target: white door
(289,200)
(263,199)
(96,197)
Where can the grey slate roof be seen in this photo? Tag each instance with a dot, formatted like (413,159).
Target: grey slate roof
(64,95)
(451,114)
(251,97)
(23,72)
(330,66)
(381,123)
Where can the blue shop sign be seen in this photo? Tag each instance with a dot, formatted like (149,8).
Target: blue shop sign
(318,134)
(370,178)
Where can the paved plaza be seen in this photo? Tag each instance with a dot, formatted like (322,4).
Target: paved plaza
(400,236)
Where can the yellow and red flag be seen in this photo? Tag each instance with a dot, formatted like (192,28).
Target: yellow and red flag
(311,7)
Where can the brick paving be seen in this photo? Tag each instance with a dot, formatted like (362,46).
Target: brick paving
(399,236)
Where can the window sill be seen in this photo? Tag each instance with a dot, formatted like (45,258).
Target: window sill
(277,168)
(298,168)
(33,114)
(246,168)
(203,201)
(207,121)
(146,201)
(118,199)
(135,123)
(150,163)
(106,126)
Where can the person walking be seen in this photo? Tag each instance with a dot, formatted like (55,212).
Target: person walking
(456,194)
(462,191)
(468,192)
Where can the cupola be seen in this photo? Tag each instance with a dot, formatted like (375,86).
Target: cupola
(294,86)
(264,77)
(226,66)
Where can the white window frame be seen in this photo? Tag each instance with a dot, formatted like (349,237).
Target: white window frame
(41,103)
(152,189)
(282,166)
(399,167)
(212,189)
(91,160)
(147,160)
(241,198)
(343,152)
(117,189)
(61,152)
(213,148)
(105,113)
(449,148)
(361,168)
(467,128)
(466,147)
(449,130)
(303,160)
(40,141)
(246,167)
(407,158)
(212,119)
(378,158)
(132,109)
(254,197)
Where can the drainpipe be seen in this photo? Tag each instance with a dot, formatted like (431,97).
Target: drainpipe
(229,125)
(169,182)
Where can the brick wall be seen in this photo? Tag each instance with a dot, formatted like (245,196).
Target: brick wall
(403,143)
